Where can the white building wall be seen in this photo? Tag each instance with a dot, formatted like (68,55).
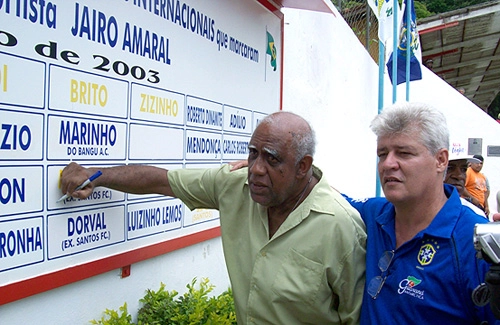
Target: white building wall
(330,80)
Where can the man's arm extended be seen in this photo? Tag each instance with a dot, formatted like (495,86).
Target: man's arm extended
(137,179)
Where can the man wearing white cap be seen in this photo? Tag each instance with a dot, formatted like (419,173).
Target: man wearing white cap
(456,174)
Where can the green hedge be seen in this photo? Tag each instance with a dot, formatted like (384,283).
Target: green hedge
(164,307)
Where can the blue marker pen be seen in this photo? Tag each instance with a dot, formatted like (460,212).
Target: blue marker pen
(87,182)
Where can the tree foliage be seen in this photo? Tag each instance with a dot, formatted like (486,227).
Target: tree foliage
(440,6)
(423,8)
(422,11)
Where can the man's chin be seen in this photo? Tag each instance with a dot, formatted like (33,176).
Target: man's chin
(394,196)
(259,198)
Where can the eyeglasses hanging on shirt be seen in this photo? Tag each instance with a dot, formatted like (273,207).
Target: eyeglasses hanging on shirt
(376,283)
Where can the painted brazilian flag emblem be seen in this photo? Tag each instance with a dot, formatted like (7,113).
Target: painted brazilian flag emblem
(271,50)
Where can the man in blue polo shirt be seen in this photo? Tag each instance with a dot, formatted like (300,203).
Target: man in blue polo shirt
(421,266)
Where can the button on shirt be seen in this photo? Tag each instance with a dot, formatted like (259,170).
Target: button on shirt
(310,272)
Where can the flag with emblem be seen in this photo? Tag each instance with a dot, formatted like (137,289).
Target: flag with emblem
(383,10)
(271,50)
(415,50)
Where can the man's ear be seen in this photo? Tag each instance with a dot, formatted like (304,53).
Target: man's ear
(442,159)
(305,165)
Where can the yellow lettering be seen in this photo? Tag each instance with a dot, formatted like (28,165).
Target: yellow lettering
(88,93)
(202,214)
(159,105)
(83,91)
(176,108)
(143,107)
(94,93)
(168,106)
(151,101)
(74,91)
(103,96)
(3,78)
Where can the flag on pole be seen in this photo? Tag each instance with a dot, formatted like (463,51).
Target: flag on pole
(271,50)
(383,10)
(415,50)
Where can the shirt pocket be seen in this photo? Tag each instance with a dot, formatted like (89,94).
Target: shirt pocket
(298,279)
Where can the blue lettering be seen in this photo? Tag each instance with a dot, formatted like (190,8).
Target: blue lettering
(98,25)
(87,133)
(86,224)
(141,219)
(20,241)
(12,137)
(237,121)
(44,13)
(195,114)
(214,118)
(172,214)
(201,145)
(151,46)
(235,147)
(12,191)
(181,14)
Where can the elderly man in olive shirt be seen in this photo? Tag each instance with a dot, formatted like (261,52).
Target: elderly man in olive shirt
(294,248)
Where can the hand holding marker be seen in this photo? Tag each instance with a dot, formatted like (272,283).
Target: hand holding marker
(87,182)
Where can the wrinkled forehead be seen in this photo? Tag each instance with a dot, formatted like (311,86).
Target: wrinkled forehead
(398,140)
(271,132)
(269,136)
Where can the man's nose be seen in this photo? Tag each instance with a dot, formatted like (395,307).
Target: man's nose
(389,162)
(256,166)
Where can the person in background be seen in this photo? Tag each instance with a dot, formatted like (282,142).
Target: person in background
(294,248)
(455,175)
(476,185)
(429,63)
(421,265)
